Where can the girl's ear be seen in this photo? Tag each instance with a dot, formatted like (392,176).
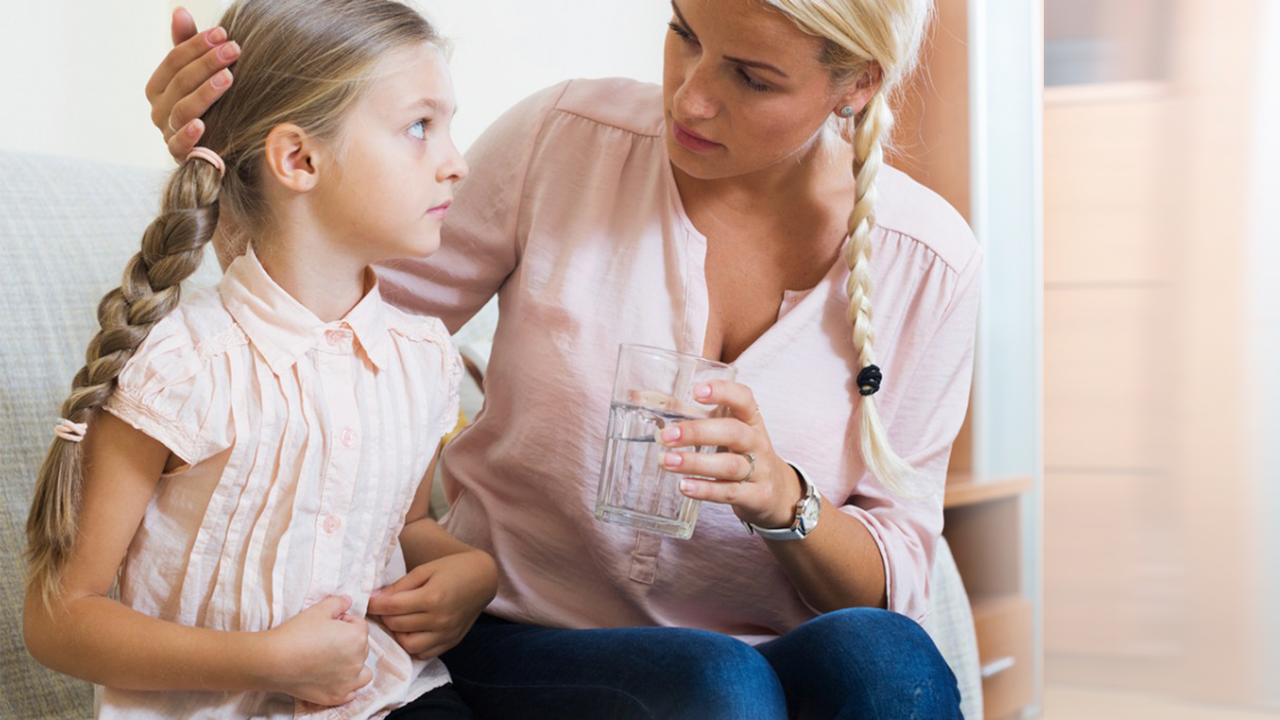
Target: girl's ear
(292,157)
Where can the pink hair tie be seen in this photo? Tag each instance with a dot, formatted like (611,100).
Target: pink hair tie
(210,157)
(71,431)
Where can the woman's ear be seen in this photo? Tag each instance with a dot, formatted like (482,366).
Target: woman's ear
(293,157)
(864,87)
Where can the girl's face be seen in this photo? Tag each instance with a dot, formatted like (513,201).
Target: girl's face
(743,88)
(397,163)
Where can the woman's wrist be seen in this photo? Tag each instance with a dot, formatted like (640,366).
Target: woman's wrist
(789,491)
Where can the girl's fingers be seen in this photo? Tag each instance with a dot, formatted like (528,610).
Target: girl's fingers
(732,467)
(410,623)
(717,432)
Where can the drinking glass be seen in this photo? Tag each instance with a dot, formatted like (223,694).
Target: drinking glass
(653,388)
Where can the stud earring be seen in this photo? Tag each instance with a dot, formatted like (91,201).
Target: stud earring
(846,111)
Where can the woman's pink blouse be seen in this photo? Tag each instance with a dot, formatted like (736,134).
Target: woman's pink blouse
(572,217)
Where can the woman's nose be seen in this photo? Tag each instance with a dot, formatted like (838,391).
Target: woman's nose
(694,99)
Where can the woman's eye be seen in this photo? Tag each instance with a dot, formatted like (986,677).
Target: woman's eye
(681,32)
(751,82)
(419,129)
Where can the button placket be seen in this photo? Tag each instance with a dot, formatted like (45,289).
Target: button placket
(336,368)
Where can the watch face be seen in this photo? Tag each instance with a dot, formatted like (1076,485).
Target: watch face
(809,514)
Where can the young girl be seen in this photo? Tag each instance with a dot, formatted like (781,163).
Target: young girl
(261,466)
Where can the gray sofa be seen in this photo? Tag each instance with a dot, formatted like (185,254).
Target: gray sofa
(67,227)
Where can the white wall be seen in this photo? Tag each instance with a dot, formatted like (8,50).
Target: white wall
(72,74)
(73,71)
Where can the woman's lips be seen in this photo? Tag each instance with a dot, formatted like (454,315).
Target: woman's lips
(692,142)
(440,211)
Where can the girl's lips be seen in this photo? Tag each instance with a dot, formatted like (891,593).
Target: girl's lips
(440,211)
(692,142)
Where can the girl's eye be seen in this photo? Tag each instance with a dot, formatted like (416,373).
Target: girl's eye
(419,129)
(682,33)
(751,82)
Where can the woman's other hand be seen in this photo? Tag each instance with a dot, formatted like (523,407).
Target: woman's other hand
(318,655)
(764,492)
(430,609)
(189,80)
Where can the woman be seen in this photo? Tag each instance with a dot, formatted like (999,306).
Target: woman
(717,215)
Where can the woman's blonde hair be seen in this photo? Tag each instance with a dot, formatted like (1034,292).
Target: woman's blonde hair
(866,38)
(304,62)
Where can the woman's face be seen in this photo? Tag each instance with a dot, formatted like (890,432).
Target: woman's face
(743,88)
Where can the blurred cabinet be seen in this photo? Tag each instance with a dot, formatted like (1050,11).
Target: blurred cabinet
(992,511)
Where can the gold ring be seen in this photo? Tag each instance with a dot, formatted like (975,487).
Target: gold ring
(751,458)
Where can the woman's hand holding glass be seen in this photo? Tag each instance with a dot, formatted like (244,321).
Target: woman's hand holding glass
(763,492)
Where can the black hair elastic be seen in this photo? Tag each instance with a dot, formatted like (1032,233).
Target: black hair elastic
(869,380)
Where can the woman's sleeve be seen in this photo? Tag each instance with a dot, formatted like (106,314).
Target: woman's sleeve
(168,391)
(922,430)
(482,239)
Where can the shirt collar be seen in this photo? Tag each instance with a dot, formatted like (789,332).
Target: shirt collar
(283,329)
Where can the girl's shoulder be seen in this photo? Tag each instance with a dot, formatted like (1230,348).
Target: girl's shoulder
(416,329)
(200,327)
(173,388)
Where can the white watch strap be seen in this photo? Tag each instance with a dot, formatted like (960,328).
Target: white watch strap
(796,531)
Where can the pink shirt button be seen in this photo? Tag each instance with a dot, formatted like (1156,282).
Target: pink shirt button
(348,437)
(331,524)
(333,337)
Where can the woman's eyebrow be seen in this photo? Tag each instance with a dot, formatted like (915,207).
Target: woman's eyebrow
(740,61)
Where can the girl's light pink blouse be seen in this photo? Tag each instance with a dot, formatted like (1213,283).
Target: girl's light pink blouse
(305,442)
(571,216)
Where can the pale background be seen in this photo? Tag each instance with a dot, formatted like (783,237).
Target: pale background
(1161,319)
(74,70)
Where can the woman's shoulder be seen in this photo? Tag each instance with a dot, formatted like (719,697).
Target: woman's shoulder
(621,103)
(912,210)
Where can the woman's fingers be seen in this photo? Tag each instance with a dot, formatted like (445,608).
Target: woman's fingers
(181,142)
(727,493)
(196,104)
(182,26)
(717,432)
(187,52)
(734,396)
(722,466)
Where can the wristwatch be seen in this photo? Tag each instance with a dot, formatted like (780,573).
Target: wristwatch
(807,511)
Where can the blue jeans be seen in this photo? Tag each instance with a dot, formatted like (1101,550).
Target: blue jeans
(859,663)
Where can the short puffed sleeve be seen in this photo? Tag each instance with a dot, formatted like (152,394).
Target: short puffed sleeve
(176,390)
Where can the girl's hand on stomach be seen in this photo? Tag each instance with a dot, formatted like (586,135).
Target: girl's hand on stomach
(764,492)
(189,80)
(318,655)
(431,608)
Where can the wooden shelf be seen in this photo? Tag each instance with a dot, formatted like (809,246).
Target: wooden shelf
(964,490)
(986,605)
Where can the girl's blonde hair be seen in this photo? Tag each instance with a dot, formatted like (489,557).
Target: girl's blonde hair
(304,62)
(864,37)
